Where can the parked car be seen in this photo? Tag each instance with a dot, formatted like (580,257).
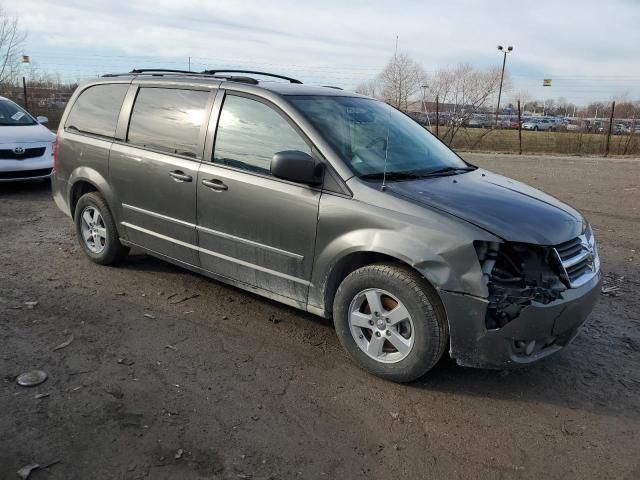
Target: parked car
(539,124)
(621,129)
(476,122)
(412,250)
(26,145)
(575,125)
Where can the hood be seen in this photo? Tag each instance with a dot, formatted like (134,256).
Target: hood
(25,134)
(508,209)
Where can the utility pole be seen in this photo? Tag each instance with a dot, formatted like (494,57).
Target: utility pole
(189,62)
(519,127)
(24,89)
(424,104)
(437,116)
(25,59)
(504,61)
(607,145)
(424,95)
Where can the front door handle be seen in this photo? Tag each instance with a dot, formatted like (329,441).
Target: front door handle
(215,184)
(180,176)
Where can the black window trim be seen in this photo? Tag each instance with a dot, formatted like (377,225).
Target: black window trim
(97,136)
(130,101)
(212,133)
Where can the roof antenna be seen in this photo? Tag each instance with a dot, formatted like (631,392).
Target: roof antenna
(386,153)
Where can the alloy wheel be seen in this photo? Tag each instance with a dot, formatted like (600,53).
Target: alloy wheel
(94,232)
(381,325)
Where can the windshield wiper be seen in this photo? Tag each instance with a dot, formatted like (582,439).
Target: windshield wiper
(392,175)
(446,170)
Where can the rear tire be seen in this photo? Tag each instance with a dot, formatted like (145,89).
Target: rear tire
(400,352)
(96,230)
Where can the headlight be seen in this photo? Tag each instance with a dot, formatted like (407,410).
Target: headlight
(593,248)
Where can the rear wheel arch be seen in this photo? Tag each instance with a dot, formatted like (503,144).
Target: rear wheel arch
(78,189)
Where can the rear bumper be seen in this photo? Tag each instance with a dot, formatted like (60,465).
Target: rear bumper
(539,331)
(59,191)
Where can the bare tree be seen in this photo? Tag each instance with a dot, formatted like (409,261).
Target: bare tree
(468,91)
(524,96)
(11,41)
(370,88)
(401,80)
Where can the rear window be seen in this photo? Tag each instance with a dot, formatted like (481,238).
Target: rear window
(169,120)
(97,109)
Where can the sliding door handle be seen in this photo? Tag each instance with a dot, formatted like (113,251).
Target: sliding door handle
(180,176)
(215,184)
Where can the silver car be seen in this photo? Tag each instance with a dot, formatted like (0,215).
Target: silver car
(333,203)
(541,124)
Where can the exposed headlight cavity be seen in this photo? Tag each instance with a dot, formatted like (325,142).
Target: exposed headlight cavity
(517,274)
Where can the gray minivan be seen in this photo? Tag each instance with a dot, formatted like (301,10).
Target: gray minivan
(333,203)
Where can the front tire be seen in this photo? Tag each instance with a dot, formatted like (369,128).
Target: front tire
(391,321)
(96,230)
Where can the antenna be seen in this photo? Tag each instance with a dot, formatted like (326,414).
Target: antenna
(386,152)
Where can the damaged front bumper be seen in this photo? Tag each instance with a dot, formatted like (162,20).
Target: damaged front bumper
(539,330)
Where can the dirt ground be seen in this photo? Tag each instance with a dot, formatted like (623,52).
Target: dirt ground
(172,375)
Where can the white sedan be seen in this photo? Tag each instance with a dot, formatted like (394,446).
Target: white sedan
(26,145)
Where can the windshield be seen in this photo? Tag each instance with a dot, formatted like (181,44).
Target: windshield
(365,132)
(12,115)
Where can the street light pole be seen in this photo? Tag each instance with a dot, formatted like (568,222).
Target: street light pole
(504,61)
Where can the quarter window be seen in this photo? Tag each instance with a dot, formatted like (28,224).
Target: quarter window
(97,109)
(168,120)
(250,133)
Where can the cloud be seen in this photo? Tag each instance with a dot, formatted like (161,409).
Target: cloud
(583,44)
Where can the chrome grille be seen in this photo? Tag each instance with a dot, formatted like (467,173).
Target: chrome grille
(579,259)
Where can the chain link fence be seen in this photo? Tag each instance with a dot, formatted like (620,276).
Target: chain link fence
(509,133)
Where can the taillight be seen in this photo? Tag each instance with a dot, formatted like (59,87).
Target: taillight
(55,155)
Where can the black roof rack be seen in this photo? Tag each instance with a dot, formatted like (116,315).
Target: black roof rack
(163,71)
(159,70)
(214,73)
(253,72)
(331,86)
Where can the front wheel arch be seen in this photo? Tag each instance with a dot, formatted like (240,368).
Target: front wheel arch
(350,263)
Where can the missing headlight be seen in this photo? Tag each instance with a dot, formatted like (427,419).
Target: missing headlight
(515,275)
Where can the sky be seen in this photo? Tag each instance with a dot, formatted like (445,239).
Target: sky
(588,48)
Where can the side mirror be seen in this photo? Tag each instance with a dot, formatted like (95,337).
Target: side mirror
(296,166)
(42,120)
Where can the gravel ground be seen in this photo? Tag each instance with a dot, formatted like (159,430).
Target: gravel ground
(172,375)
